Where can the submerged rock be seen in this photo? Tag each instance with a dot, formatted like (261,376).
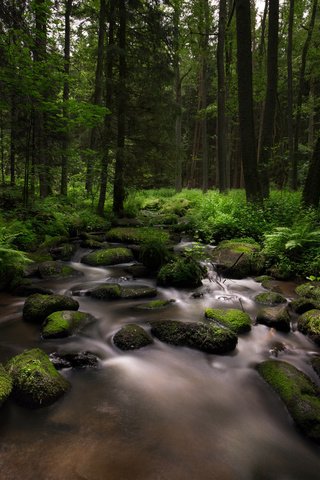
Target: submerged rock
(132,337)
(113,291)
(309,324)
(74,360)
(269,298)
(300,395)
(36,383)
(37,307)
(237,258)
(5,384)
(237,320)
(27,290)
(56,269)
(208,338)
(275,317)
(108,256)
(155,304)
(65,323)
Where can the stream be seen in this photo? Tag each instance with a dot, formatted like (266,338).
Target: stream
(162,412)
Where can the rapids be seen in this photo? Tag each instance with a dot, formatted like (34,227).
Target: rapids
(163,412)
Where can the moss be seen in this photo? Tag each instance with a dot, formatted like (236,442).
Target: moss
(239,245)
(108,291)
(269,298)
(36,383)
(275,317)
(5,384)
(309,290)
(298,392)
(108,256)
(37,307)
(132,337)
(135,234)
(309,324)
(181,272)
(207,338)
(113,291)
(315,362)
(65,323)
(155,304)
(138,291)
(302,304)
(236,320)
(92,244)
(57,269)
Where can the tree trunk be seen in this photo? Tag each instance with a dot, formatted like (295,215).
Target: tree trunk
(290,96)
(245,100)
(118,190)
(221,130)
(13,140)
(294,175)
(269,110)
(204,95)
(178,97)
(97,95)
(66,89)
(311,191)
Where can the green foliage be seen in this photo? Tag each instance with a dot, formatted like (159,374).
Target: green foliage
(154,252)
(182,272)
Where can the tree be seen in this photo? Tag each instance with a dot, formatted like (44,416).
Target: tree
(221,127)
(311,191)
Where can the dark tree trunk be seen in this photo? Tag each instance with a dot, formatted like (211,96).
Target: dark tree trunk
(290,95)
(221,130)
(245,99)
(269,110)
(204,95)
(178,97)
(118,190)
(311,191)
(13,140)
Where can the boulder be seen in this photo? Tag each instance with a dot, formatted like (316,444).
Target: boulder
(26,290)
(303,304)
(113,291)
(74,360)
(108,256)
(139,270)
(135,235)
(315,362)
(237,258)
(300,395)
(138,291)
(234,319)
(38,307)
(63,252)
(269,298)
(65,323)
(56,269)
(208,338)
(36,383)
(182,272)
(275,317)
(309,324)
(309,290)
(93,244)
(132,337)
(155,304)
(5,384)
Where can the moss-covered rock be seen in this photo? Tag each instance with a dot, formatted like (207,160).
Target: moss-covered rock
(309,324)
(114,291)
(303,304)
(238,258)
(93,244)
(309,290)
(38,307)
(135,235)
(275,317)
(155,304)
(74,360)
(138,291)
(132,337)
(63,252)
(300,395)
(208,338)
(56,269)
(236,320)
(182,272)
(108,256)
(315,362)
(139,271)
(65,323)
(5,384)
(36,383)
(269,298)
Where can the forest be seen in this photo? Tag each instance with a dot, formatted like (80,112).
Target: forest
(160,239)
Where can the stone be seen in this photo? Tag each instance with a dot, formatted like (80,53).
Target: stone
(38,307)
(74,360)
(303,304)
(132,337)
(234,319)
(182,272)
(155,304)
(269,298)
(56,269)
(275,317)
(5,385)
(27,290)
(309,290)
(108,256)
(113,291)
(65,323)
(309,324)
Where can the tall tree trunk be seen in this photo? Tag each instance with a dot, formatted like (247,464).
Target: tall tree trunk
(290,96)
(109,102)
(118,190)
(245,100)
(311,191)
(97,95)
(2,151)
(204,95)
(66,91)
(13,140)
(221,130)
(294,174)
(178,97)
(269,110)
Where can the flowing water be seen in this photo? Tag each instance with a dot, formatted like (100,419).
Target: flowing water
(163,412)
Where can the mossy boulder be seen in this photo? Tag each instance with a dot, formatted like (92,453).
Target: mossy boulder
(303,304)
(309,324)
(136,235)
(300,395)
(238,258)
(108,256)
(114,291)
(63,252)
(138,291)
(309,290)
(155,304)
(5,384)
(65,323)
(36,383)
(138,270)
(182,272)
(132,337)
(56,269)
(208,338)
(93,244)
(38,307)
(275,317)
(315,362)
(237,320)
(269,298)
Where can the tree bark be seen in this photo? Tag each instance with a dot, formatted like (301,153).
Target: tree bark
(178,97)
(204,95)
(221,130)
(311,191)
(290,94)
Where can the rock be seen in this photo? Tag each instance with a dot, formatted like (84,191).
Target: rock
(182,272)
(270,299)
(315,362)
(36,383)
(27,290)
(275,317)
(93,244)
(108,256)
(63,252)
(138,270)
(73,360)
(56,269)
(309,290)
(207,338)
(135,235)
(113,291)
(303,304)
(237,258)
(5,385)
(65,323)
(268,283)
(155,304)
(132,337)
(38,307)
(138,291)
(309,324)
(300,395)
(234,319)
